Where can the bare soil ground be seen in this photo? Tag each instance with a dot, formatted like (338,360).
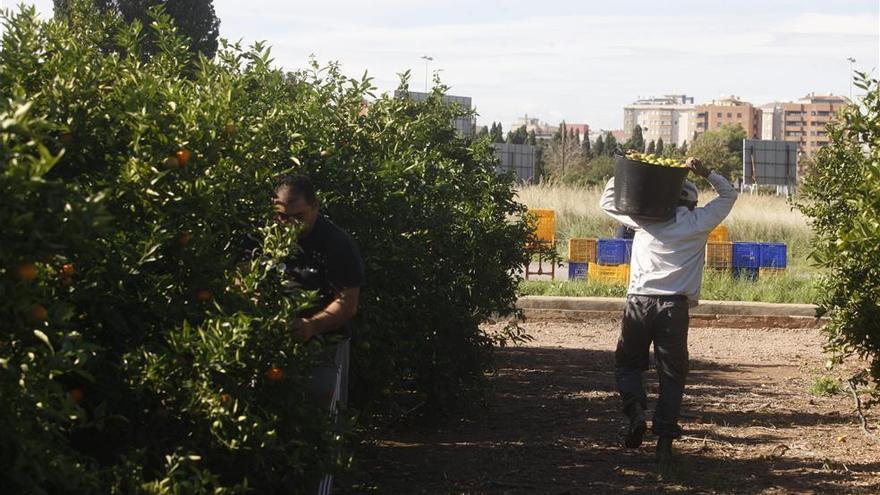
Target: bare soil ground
(552,424)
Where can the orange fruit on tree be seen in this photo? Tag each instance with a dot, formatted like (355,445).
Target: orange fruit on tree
(68,270)
(38,314)
(183,155)
(274,374)
(203,295)
(66,138)
(76,395)
(26,272)
(66,281)
(225,399)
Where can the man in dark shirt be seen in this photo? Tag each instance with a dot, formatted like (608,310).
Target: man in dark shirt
(329,263)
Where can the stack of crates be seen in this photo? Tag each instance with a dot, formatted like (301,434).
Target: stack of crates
(746,260)
(719,249)
(581,252)
(772,258)
(612,261)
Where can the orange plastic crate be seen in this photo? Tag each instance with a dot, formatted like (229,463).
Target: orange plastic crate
(719,255)
(770,272)
(720,234)
(582,250)
(545,224)
(618,274)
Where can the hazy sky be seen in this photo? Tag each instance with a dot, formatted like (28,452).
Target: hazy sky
(579,61)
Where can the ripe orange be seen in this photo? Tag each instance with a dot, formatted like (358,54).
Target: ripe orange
(225,399)
(66,281)
(274,374)
(76,395)
(26,272)
(203,295)
(183,155)
(38,314)
(68,270)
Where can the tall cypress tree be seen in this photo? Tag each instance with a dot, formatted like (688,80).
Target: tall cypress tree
(659,148)
(610,144)
(600,146)
(651,148)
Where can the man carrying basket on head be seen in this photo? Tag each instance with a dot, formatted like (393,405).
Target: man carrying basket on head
(665,275)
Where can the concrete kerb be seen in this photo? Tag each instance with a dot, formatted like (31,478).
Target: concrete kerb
(731,314)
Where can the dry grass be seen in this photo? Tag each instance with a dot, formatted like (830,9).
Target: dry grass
(757,218)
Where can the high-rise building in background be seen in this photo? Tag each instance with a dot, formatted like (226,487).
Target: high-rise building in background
(804,121)
(464,125)
(730,110)
(670,117)
(771,121)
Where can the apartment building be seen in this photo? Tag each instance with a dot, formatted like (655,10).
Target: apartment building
(465,125)
(669,117)
(771,121)
(804,121)
(729,110)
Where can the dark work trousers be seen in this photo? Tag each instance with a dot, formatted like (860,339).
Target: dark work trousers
(662,320)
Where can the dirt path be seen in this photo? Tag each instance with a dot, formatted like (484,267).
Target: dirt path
(553,426)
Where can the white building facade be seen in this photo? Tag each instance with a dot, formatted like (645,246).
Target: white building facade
(670,117)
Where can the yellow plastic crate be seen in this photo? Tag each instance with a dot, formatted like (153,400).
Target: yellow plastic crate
(608,273)
(545,221)
(720,234)
(582,250)
(719,255)
(770,272)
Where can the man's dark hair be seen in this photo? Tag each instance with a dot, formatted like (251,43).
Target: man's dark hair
(300,185)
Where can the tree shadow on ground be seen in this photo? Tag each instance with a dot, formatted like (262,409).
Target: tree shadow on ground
(553,425)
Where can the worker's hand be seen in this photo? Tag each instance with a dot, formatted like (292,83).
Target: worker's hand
(697,167)
(303,329)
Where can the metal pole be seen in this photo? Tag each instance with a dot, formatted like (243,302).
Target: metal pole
(426,59)
(851,62)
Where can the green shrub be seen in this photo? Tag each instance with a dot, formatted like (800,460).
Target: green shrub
(841,199)
(131,187)
(825,385)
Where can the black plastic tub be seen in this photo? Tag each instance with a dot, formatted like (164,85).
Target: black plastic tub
(646,191)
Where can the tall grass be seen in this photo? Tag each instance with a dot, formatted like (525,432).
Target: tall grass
(790,287)
(758,218)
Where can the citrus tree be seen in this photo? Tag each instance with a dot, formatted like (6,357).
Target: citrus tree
(842,199)
(144,338)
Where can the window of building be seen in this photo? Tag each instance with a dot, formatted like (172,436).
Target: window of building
(717,124)
(739,115)
(719,115)
(729,115)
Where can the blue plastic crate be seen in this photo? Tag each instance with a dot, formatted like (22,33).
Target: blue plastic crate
(746,255)
(577,271)
(629,250)
(611,252)
(746,273)
(772,255)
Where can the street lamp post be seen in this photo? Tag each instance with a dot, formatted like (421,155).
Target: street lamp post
(851,62)
(426,59)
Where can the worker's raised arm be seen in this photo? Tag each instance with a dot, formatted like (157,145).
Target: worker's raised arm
(606,202)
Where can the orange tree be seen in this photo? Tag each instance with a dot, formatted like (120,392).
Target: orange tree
(143,324)
(842,198)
